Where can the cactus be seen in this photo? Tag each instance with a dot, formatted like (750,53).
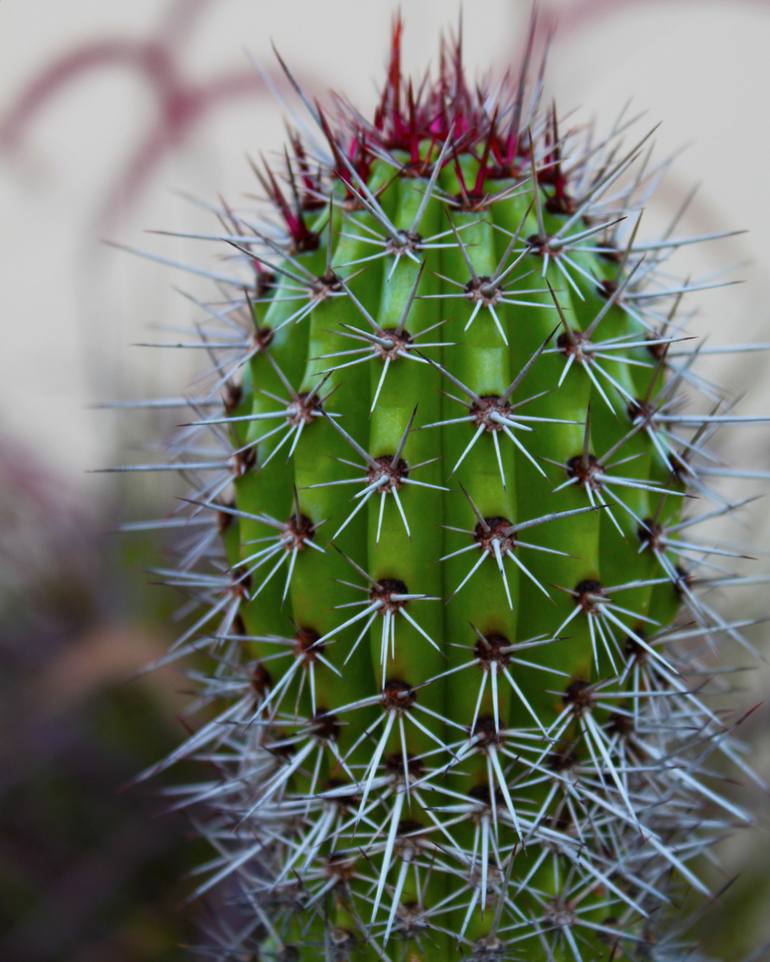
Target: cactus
(455,659)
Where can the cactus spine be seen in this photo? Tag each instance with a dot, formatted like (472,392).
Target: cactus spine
(452,623)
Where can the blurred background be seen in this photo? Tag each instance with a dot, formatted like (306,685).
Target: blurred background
(108,112)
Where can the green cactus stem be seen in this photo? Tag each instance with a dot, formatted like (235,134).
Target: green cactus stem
(455,654)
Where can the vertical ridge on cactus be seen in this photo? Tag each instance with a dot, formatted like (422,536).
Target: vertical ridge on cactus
(456,655)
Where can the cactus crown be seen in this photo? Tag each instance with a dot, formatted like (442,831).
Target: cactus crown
(440,525)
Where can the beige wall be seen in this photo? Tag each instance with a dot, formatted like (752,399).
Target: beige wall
(70,308)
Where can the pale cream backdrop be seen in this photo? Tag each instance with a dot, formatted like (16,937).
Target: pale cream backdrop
(71,308)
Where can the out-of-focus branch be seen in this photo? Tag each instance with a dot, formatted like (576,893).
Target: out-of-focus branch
(182,104)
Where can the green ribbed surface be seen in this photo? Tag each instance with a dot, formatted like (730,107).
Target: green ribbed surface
(582,547)
(451,710)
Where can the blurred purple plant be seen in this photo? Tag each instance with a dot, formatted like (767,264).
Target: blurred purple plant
(41,520)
